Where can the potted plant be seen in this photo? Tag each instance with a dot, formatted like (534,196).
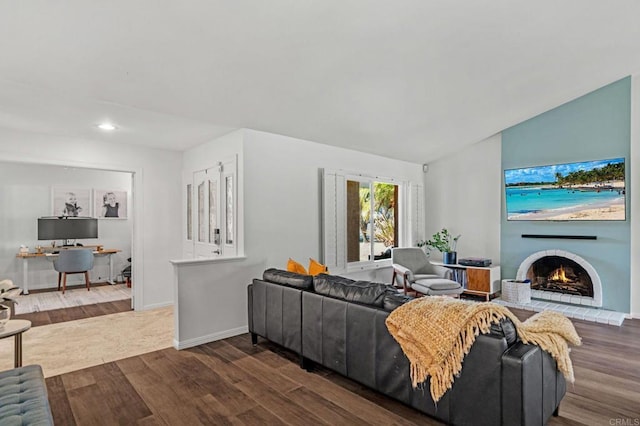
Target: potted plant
(444,242)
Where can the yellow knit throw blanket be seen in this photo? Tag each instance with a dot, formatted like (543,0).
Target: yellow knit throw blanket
(436,333)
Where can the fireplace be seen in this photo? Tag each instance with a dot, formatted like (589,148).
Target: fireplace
(562,276)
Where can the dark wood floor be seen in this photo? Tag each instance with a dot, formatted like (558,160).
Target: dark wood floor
(75,313)
(232,382)
(69,287)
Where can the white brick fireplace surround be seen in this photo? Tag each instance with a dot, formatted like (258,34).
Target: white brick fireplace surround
(572,306)
(596,300)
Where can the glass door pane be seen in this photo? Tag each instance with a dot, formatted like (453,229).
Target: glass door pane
(189,212)
(385,198)
(359,230)
(229,209)
(201,213)
(214,232)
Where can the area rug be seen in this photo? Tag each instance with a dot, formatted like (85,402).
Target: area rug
(73,345)
(46,301)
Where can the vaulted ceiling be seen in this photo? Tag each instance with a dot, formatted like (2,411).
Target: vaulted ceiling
(409,79)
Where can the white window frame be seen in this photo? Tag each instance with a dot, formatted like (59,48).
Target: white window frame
(372,263)
(334,205)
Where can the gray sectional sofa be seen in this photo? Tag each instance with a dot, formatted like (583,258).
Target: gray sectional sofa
(340,324)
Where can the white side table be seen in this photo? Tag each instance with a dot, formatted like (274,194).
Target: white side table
(16,328)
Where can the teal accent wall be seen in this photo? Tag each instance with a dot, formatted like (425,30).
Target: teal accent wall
(596,126)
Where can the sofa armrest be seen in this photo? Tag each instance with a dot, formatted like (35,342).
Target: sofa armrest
(406,276)
(402,270)
(274,312)
(532,387)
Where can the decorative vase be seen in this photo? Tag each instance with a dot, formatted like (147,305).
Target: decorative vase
(5,315)
(449,258)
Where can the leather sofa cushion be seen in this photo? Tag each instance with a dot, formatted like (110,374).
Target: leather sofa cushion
(394,300)
(506,329)
(332,279)
(291,279)
(364,292)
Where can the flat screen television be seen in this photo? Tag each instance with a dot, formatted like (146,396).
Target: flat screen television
(589,190)
(67,228)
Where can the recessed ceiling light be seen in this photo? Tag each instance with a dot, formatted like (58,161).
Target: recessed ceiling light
(106,126)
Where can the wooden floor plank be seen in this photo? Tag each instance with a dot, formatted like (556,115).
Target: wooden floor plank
(97,309)
(78,379)
(126,403)
(222,366)
(209,414)
(233,382)
(272,359)
(89,407)
(229,401)
(153,420)
(326,410)
(117,401)
(165,398)
(59,401)
(591,412)
(266,374)
(36,318)
(221,394)
(258,416)
(366,410)
(78,312)
(278,404)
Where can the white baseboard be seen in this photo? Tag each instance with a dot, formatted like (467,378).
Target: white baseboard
(156,306)
(209,338)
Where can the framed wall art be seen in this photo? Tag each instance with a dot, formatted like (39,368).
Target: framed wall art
(110,203)
(71,201)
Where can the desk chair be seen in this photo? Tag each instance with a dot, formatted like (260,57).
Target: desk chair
(126,273)
(412,270)
(73,261)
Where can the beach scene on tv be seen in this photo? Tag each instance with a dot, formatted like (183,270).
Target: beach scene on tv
(589,190)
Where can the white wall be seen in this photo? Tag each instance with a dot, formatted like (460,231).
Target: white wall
(281,203)
(635,196)
(463,194)
(202,156)
(25,195)
(156,198)
(206,155)
(282,193)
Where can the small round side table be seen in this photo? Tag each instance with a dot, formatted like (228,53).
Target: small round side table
(16,328)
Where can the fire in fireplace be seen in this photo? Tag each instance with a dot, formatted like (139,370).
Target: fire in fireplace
(560,274)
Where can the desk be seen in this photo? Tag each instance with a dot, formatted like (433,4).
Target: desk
(26,256)
(16,328)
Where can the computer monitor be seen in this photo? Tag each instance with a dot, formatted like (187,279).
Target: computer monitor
(67,228)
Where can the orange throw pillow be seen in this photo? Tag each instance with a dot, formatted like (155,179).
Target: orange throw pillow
(293,266)
(316,267)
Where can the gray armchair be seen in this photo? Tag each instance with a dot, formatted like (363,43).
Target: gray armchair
(413,271)
(73,261)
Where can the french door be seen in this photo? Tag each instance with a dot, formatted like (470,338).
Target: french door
(211,199)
